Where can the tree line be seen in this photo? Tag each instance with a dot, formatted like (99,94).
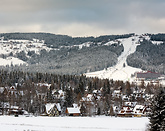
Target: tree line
(32,91)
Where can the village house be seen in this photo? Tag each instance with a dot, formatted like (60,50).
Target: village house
(72,111)
(146,75)
(132,109)
(127,109)
(16,110)
(53,109)
(139,110)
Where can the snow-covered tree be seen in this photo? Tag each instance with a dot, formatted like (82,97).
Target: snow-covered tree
(157,117)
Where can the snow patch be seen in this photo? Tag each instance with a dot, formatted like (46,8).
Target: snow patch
(11,61)
(16,46)
(157,42)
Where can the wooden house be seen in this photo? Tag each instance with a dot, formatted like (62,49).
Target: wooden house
(125,111)
(53,109)
(71,111)
(139,110)
(15,110)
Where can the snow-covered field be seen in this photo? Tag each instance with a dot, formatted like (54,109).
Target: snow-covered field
(101,123)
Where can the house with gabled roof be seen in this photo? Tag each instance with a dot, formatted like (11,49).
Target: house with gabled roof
(125,111)
(139,110)
(73,111)
(53,109)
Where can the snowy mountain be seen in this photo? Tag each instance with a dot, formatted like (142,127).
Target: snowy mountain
(113,56)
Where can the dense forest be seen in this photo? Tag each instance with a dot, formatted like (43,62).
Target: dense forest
(149,56)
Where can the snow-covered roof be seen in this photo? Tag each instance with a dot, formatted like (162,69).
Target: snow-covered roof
(25,112)
(49,106)
(72,110)
(95,91)
(89,97)
(139,109)
(14,107)
(125,110)
(44,84)
(14,110)
(58,106)
(117,91)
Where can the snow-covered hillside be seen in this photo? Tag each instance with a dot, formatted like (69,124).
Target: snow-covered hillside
(11,61)
(80,55)
(8,47)
(121,71)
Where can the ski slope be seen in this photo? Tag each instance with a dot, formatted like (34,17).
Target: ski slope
(119,72)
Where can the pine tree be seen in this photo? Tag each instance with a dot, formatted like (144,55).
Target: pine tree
(83,109)
(69,97)
(157,117)
(128,88)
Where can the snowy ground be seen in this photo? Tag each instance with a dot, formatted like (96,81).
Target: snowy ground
(17,46)
(102,123)
(11,60)
(118,72)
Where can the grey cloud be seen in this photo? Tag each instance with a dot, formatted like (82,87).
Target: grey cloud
(105,15)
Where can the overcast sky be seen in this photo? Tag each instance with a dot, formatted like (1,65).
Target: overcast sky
(83,17)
